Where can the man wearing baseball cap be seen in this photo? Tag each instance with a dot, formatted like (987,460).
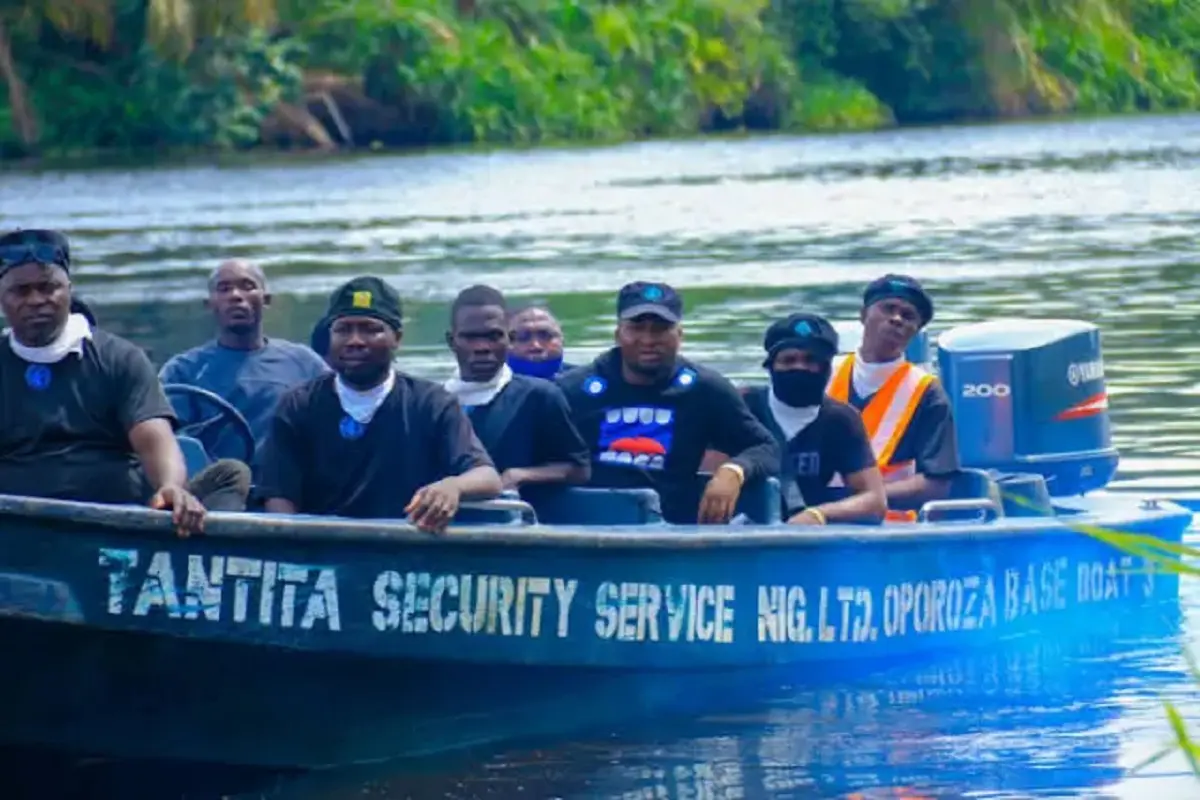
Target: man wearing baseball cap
(368,441)
(905,410)
(820,437)
(82,415)
(649,415)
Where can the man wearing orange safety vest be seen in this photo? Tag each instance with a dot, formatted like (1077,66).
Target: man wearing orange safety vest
(904,408)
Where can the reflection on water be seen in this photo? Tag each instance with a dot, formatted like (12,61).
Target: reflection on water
(1092,220)
(1038,717)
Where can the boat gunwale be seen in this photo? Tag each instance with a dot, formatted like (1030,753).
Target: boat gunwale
(252,526)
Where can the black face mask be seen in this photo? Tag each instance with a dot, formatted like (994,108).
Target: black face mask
(799,388)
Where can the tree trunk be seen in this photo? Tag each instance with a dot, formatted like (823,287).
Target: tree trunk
(23,119)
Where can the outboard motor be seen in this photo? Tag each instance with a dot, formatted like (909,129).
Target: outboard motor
(850,337)
(1029,396)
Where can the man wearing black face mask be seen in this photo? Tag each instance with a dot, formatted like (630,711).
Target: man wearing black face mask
(821,437)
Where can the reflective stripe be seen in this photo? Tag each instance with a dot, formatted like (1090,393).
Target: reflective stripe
(887,414)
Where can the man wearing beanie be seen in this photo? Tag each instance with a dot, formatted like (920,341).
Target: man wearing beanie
(367,441)
(83,416)
(820,437)
(905,410)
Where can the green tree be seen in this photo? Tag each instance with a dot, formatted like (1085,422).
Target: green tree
(170,28)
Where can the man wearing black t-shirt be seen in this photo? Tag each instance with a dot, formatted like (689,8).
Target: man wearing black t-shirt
(523,422)
(82,414)
(368,441)
(821,437)
(648,415)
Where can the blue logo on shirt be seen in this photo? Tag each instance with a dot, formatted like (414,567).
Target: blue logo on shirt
(595,385)
(350,428)
(638,437)
(686,377)
(803,328)
(652,293)
(37,377)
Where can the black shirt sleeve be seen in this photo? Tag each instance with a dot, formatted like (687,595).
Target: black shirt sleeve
(736,431)
(851,448)
(557,440)
(458,447)
(283,453)
(140,393)
(933,432)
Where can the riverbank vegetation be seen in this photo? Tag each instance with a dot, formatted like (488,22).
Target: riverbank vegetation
(81,75)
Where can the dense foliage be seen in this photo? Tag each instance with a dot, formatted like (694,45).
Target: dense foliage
(86,74)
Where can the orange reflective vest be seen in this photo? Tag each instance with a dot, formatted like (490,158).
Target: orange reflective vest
(887,414)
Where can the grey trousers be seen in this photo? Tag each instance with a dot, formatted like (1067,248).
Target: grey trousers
(222,486)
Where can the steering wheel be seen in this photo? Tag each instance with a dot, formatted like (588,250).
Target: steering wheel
(206,430)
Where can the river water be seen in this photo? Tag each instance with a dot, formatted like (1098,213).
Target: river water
(1094,220)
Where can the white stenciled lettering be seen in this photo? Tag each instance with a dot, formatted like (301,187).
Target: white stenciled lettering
(564,592)
(158,588)
(494,605)
(1038,588)
(241,570)
(120,564)
(1100,581)
(203,591)
(323,602)
(944,605)
(783,615)
(647,612)
(256,597)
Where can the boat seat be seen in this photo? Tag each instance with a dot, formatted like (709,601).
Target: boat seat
(970,484)
(587,505)
(761,499)
(1025,494)
(195,457)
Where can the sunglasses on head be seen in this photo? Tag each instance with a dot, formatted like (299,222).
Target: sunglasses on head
(14,255)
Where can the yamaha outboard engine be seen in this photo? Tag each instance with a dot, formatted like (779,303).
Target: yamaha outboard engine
(1029,396)
(850,337)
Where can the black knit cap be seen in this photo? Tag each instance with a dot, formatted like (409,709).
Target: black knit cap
(902,287)
(366,296)
(34,246)
(803,332)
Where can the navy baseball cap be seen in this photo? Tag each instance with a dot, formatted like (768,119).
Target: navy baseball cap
(904,288)
(804,332)
(659,299)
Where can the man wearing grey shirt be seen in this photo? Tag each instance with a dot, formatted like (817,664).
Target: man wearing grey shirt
(241,364)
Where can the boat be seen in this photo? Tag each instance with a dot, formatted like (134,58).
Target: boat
(303,641)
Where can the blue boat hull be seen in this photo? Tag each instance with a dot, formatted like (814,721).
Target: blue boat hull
(313,642)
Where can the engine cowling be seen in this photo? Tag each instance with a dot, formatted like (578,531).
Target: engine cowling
(1030,396)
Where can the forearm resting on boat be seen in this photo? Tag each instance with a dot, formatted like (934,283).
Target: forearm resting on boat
(155,445)
(868,503)
(482,481)
(918,489)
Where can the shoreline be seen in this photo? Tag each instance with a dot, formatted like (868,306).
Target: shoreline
(167,157)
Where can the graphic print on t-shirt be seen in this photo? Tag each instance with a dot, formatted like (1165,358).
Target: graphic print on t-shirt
(807,464)
(638,437)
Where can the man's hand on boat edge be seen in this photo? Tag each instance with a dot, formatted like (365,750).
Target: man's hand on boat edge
(186,511)
(721,495)
(433,506)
